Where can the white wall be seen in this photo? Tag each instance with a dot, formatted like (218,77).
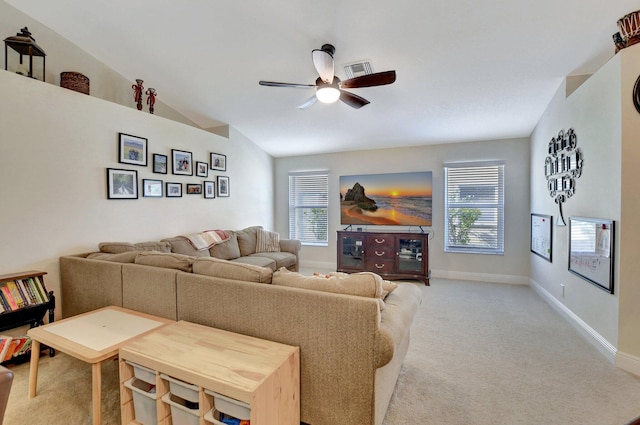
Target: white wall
(55,147)
(513,266)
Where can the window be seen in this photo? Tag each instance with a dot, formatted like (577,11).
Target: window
(474,207)
(308,207)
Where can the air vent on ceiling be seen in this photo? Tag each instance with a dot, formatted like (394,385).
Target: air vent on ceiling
(358,69)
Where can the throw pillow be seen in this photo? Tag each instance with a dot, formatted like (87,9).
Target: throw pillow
(232,270)
(247,240)
(160,246)
(227,250)
(116,247)
(360,284)
(267,241)
(387,288)
(123,257)
(166,260)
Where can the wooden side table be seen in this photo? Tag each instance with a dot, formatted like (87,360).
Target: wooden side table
(263,374)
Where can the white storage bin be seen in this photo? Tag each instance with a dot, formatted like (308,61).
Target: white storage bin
(143,373)
(180,414)
(213,417)
(144,404)
(230,406)
(182,389)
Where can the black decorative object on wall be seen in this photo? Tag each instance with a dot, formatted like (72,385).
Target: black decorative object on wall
(636,95)
(562,167)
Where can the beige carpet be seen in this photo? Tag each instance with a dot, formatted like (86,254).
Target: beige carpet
(481,354)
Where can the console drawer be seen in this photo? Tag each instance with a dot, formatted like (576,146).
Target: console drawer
(379,240)
(380,266)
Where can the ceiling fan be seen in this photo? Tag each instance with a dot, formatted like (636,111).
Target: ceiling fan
(329,88)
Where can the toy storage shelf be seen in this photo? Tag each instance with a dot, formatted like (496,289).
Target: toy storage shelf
(186,373)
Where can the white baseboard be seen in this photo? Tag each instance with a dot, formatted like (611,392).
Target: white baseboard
(590,334)
(480,277)
(628,363)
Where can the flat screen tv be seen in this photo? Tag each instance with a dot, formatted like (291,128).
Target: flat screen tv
(394,199)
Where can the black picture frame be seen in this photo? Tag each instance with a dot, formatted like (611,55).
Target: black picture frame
(152,188)
(173,190)
(218,162)
(202,169)
(194,189)
(160,165)
(181,162)
(122,184)
(132,149)
(223,186)
(541,236)
(209,189)
(591,250)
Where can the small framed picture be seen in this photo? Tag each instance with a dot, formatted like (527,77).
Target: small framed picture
(194,189)
(173,190)
(182,162)
(132,149)
(209,189)
(122,184)
(218,162)
(159,163)
(151,188)
(223,186)
(201,169)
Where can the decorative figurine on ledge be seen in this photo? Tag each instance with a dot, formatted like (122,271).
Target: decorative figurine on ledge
(151,98)
(137,93)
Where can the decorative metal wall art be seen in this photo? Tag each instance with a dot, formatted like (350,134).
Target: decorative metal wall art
(137,93)
(562,167)
(151,98)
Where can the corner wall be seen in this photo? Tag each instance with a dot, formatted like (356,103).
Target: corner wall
(56,146)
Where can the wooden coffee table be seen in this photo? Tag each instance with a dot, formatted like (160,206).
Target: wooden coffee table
(92,337)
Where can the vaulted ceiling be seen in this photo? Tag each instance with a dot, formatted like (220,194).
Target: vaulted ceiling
(466,70)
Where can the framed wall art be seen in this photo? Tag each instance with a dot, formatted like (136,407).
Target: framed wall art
(151,188)
(132,149)
(591,249)
(182,162)
(209,189)
(541,242)
(223,186)
(173,190)
(218,162)
(194,189)
(202,169)
(159,163)
(122,184)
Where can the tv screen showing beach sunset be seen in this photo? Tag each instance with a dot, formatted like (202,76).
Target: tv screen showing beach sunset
(402,199)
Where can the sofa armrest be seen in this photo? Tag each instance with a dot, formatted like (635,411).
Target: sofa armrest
(290,245)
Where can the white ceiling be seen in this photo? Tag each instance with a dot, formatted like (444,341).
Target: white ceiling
(466,70)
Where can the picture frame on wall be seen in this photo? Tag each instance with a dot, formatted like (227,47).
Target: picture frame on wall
(152,188)
(209,189)
(223,186)
(159,163)
(122,184)
(173,190)
(202,169)
(218,162)
(591,250)
(194,189)
(182,162)
(541,242)
(132,149)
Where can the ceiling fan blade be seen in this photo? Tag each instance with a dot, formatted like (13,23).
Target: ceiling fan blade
(323,61)
(353,100)
(370,80)
(275,84)
(313,99)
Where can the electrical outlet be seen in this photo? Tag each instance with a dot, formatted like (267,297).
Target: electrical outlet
(562,286)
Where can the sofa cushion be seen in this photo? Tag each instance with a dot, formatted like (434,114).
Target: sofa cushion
(267,241)
(116,247)
(247,239)
(281,259)
(364,284)
(227,250)
(232,270)
(181,245)
(159,246)
(166,260)
(123,257)
(257,261)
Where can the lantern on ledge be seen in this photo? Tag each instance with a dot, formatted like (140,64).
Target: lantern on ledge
(25,45)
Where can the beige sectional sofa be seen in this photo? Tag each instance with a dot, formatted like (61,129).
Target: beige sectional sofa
(351,345)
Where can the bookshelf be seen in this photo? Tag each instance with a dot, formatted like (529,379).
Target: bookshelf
(24,300)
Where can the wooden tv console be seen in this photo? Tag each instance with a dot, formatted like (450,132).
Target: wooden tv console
(391,255)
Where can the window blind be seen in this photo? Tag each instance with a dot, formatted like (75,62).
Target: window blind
(308,207)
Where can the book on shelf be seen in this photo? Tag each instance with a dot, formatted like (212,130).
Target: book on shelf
(9,297)
(16,294)
(11,347)
(24,283)
(34,288)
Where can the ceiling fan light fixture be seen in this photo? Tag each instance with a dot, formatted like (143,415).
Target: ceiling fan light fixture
(327,94)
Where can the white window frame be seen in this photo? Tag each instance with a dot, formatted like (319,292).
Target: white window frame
(308,191)
(490,175)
